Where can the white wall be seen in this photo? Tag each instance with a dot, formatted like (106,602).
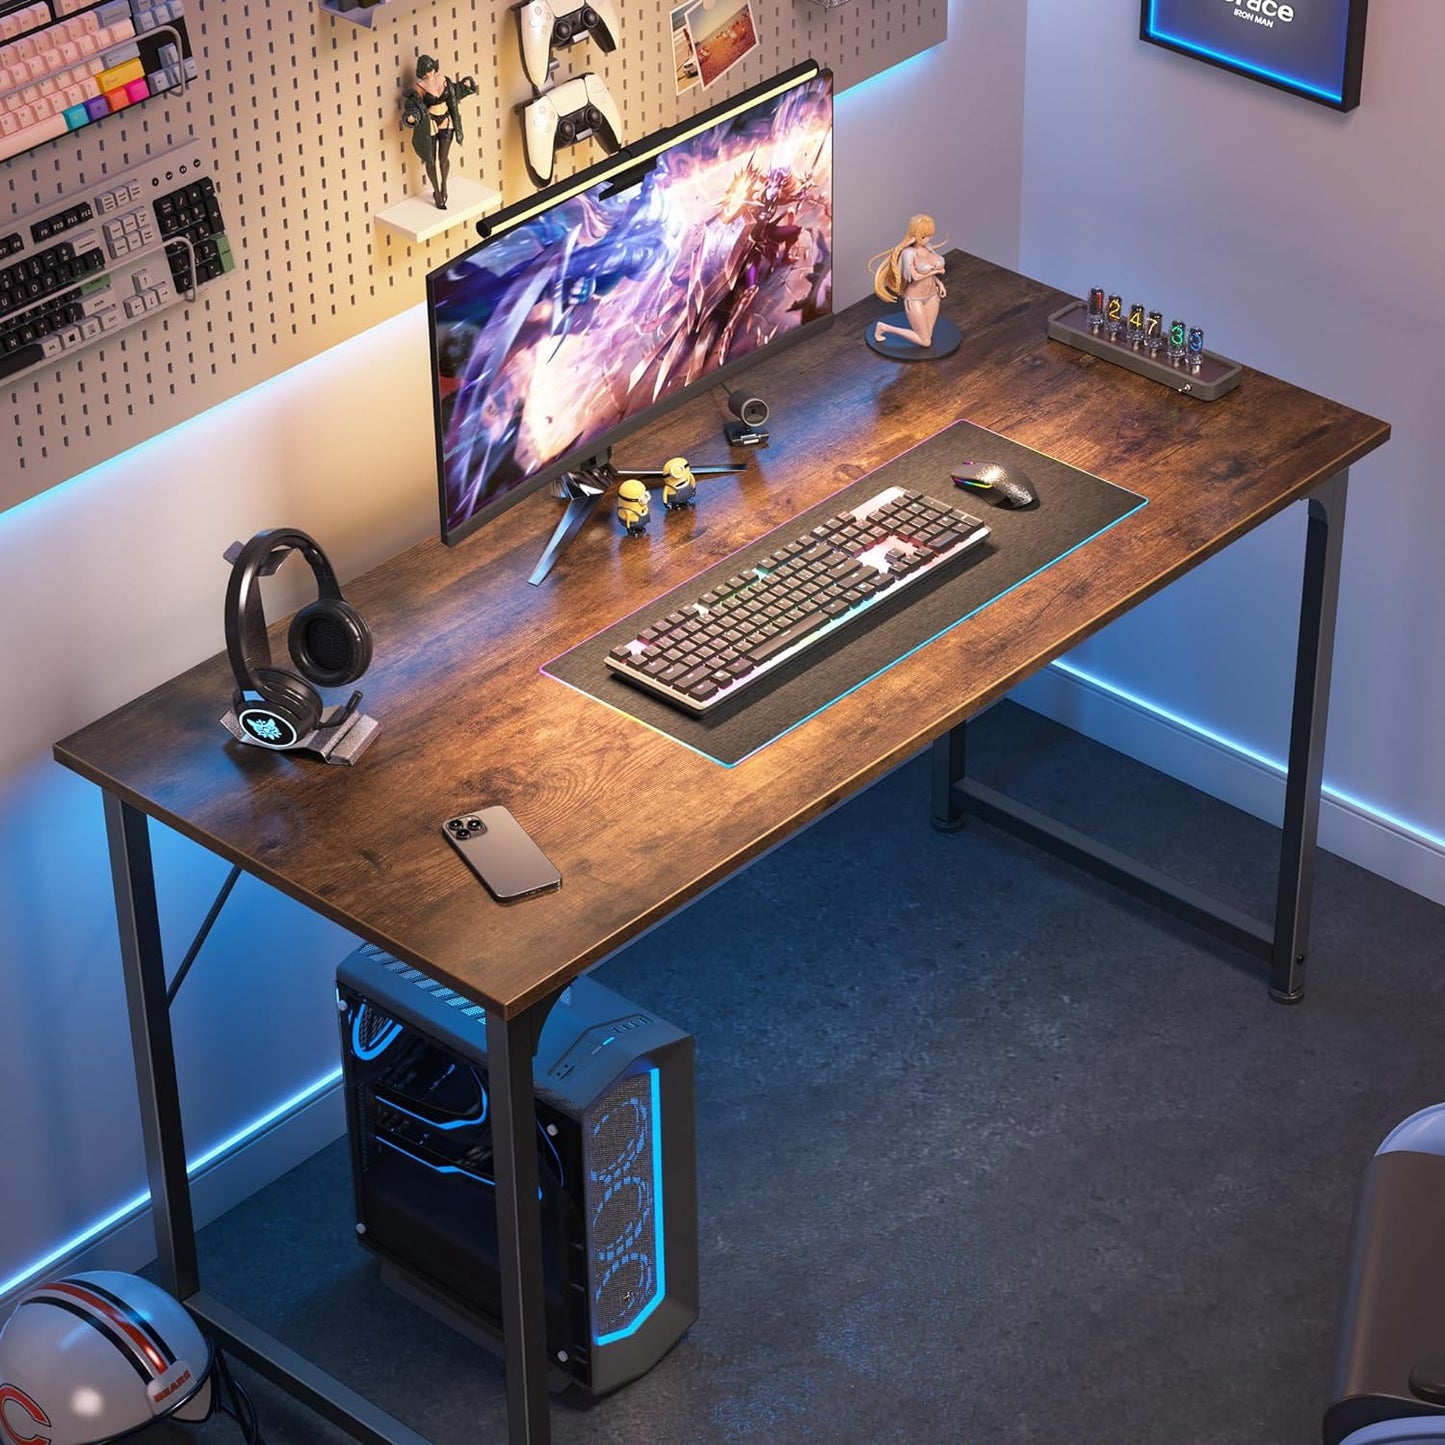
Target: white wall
(1308,244)
(113,583)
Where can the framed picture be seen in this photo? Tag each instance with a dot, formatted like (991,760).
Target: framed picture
(1313,48)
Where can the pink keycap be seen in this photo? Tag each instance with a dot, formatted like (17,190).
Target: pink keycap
(34,135)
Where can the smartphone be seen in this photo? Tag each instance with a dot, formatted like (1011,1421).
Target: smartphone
(497,849)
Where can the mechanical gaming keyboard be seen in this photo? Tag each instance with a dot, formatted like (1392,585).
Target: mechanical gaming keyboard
(735,634)
(91,265)
(66,63)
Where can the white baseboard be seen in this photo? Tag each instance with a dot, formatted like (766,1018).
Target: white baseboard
(236,1173)
(1349,827)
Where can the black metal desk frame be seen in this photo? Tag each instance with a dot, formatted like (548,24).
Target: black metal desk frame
(1284,945)
(512,1042)
(511,1045)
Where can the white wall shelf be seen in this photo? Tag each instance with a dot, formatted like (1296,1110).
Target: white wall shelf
(359,14)
(419,218)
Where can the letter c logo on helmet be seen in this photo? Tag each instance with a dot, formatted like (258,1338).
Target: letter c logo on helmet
(12,1395)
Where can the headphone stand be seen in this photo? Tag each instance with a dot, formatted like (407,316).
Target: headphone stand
(339,739)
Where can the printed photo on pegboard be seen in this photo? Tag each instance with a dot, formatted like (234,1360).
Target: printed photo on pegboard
(684,52)
(723,32)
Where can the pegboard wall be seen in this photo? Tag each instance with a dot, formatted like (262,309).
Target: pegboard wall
(301,114)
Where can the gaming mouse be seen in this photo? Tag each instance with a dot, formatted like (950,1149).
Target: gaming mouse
(1009,487)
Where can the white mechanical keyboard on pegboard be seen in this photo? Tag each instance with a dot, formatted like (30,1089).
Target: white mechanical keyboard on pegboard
(88,266)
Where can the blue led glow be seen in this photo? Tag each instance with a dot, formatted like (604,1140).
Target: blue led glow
(440,1168)
(123,467)
(445,1168)
(880,79)
(382,1042)
(119,1215)
(434,1124)
(659,1251)
(892,662)
(1235,62)
(1370,811)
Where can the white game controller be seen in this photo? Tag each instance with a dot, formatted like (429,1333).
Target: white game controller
(564,115)
(544,28)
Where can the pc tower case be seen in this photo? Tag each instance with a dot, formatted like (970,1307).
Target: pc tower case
(616,1162)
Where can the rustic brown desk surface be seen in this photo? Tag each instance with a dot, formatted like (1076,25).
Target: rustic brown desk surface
(637,823)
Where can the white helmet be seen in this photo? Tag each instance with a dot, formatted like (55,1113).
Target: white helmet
(93,1356)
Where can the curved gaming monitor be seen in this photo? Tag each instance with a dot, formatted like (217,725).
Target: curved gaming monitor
(599,302)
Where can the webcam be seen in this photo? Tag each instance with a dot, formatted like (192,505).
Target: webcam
(751,412)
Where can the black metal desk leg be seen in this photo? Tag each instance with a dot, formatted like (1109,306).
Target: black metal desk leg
(948,769)
(138,920)
(510,1044)
(1321,589)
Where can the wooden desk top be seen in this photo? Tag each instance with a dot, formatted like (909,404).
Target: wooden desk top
(637,823)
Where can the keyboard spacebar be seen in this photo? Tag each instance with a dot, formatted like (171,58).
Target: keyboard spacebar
(784,640)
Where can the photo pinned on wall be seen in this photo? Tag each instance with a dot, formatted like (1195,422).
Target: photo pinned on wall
(723,32)
(684,52)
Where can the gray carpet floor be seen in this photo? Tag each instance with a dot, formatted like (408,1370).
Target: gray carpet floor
(987,1151)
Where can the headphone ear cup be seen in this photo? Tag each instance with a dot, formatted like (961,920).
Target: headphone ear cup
(290,699)
(330,642)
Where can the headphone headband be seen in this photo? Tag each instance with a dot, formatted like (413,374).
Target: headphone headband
(246,643)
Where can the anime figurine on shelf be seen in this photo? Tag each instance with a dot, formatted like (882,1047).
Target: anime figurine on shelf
(431,112)
(679,487)
(912,271)
(632,500)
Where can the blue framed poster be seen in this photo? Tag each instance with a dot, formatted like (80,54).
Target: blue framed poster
(1313,48)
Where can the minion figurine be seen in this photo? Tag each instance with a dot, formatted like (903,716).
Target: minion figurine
(679,487)
(632,500)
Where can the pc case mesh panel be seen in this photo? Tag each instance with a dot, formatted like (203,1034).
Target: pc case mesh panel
(371,1027)
(623,1220)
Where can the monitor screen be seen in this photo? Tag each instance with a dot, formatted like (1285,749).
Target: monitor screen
(602,300)
(1314,48)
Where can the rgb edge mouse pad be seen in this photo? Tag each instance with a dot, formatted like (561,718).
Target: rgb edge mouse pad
(1073,508)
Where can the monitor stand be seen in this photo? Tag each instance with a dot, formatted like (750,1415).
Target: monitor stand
(583,488)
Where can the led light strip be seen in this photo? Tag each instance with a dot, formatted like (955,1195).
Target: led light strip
(1370,812)
(545,200)
(119,1216)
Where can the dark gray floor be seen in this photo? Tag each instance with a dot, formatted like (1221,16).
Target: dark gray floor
(987,1152)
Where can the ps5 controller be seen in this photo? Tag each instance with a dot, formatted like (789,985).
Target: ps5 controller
(546,25)
(564,115)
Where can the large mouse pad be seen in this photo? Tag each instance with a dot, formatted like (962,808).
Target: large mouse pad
(1072,508)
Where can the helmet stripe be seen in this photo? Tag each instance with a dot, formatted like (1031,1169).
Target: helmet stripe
(130,1312)
(120,1343)
(81,1291)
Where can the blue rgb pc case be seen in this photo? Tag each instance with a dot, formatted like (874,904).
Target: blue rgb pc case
(616,1160)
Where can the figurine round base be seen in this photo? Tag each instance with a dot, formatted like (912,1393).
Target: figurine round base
(947,338)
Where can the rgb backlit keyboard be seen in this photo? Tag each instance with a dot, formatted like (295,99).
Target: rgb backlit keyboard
(742,629)
(66,63)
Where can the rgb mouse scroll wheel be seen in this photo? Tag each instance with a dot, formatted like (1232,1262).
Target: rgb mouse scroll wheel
(562,31)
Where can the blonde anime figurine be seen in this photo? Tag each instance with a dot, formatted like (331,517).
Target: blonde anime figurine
(913,273)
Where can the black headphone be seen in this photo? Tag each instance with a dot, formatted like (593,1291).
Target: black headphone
(329,643)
